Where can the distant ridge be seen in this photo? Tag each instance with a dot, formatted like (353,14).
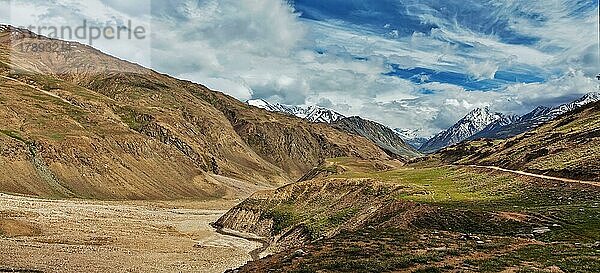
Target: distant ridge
(412,137)
(311,113)
(535,118)
(384,137)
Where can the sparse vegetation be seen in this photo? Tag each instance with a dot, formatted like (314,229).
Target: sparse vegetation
(283,217)
(443,219)
(13,134)
(134,119)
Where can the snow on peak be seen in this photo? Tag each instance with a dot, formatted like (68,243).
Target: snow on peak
(258,103)
(311,113)
(414,137)
(408,133)
(568,107)
(473,123)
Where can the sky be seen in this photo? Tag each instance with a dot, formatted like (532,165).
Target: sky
(414,64)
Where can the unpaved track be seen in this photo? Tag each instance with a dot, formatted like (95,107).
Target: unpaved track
(90,236)
(566,180)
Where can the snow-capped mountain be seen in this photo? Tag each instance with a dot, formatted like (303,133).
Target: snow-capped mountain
(535,118)
(496,126)
(565,108)
(470,125)
(310,113)
(412,137)
(537,113)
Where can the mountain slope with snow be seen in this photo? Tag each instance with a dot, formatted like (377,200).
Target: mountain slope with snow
(412,137)
(535,118)
(470,125)
(311,113)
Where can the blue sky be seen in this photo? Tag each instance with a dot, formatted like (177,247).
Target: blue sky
(417,64)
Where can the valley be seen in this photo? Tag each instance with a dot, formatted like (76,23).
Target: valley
(41,235)
(109,166)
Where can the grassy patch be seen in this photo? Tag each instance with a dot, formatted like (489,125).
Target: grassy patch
(57,137)
(444,184)
(133,118)
(13,134)
(318,227)
(283,217)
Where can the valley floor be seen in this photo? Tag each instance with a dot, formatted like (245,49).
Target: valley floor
(38,235)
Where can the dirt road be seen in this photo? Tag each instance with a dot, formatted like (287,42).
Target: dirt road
(90,236)
(537,175)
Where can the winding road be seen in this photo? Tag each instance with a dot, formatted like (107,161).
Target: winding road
(567,180)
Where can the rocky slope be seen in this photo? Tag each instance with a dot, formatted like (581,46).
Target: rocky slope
(567,147)
(81,123)
(382,136)
(379,134)
(468,126)
(361,216)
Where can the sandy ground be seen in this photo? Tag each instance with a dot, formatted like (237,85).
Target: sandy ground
(90,236)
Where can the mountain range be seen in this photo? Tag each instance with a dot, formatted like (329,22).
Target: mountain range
(568,146)
(311,113)
(384,137)
(481,123)
(533,119)
(323,192)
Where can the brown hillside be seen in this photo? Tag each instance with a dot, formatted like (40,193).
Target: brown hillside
(82,123)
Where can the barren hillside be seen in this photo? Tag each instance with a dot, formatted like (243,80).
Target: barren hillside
(79,123)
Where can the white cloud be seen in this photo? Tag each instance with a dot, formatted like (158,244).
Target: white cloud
(482,70)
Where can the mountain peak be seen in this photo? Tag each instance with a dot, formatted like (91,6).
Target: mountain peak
(589,97)
(473,123)
(568,107)
(384,137)
(540,115)
(310,113)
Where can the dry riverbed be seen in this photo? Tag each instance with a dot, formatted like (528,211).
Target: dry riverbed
(90,236)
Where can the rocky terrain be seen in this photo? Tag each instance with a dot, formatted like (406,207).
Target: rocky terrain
(79,123)
(38,235)
(444,213)
(384,137)
(105,160)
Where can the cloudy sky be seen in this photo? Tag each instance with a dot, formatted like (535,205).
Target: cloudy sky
(417,64)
